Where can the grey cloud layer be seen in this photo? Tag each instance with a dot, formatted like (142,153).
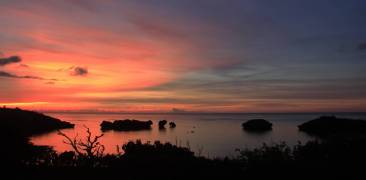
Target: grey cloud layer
(10,75)
(17,59)
(362,46)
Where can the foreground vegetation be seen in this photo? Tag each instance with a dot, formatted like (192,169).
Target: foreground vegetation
(330,158)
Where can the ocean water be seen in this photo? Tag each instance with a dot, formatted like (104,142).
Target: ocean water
(210,135)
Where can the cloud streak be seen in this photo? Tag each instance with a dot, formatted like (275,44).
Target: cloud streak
(10,60)
(10,75)
(17,59)
(78,71)
(362,46)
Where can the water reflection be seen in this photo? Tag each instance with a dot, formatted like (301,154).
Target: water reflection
(162,130)
(260,134)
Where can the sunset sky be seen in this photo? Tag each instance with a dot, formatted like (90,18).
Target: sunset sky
(187,55)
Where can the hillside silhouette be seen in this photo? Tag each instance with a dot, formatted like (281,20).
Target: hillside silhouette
(334,126)
(28,123)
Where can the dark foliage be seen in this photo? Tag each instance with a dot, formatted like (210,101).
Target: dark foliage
(333,126)
(156,151)
(126,125)
(257,125)
(90,148)
(328,159)
(331,158)
(165,161)
(27,123)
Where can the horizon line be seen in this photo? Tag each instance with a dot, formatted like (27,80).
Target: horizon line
(195,113)
(184,112)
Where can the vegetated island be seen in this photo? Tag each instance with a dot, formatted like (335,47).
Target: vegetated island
(257,125)
(162,124)
(331,125)
(28,123)
(172,125)
(126,125)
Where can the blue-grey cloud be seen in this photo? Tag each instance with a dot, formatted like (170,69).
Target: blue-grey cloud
(17,59)
(268,85)
(10,60)
(11,75)
(78,71)
(362,46)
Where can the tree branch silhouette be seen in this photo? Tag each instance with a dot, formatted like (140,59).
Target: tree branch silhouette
(91,148)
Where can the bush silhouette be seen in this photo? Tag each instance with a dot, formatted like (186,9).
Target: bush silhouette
(91,148)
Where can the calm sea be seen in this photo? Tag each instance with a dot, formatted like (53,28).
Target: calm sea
(211,135)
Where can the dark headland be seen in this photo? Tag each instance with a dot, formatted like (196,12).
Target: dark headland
(332,125)
(29,123)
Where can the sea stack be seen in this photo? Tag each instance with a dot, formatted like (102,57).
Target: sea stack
(172,125)
(162,124)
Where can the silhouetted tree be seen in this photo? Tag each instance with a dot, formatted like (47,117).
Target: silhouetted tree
(90,149)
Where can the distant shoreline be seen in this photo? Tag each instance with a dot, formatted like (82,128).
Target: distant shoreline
(203,113)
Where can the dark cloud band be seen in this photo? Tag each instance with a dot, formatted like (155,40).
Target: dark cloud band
(10,75)
(78,71)
(10,60)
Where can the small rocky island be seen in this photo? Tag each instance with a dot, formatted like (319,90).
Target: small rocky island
(28,123)
(126,125)
(162,124)
(172,125)
(331,125)
(257,125)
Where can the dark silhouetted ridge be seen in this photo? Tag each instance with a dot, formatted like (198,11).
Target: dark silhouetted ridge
(29,123)
(331,125)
